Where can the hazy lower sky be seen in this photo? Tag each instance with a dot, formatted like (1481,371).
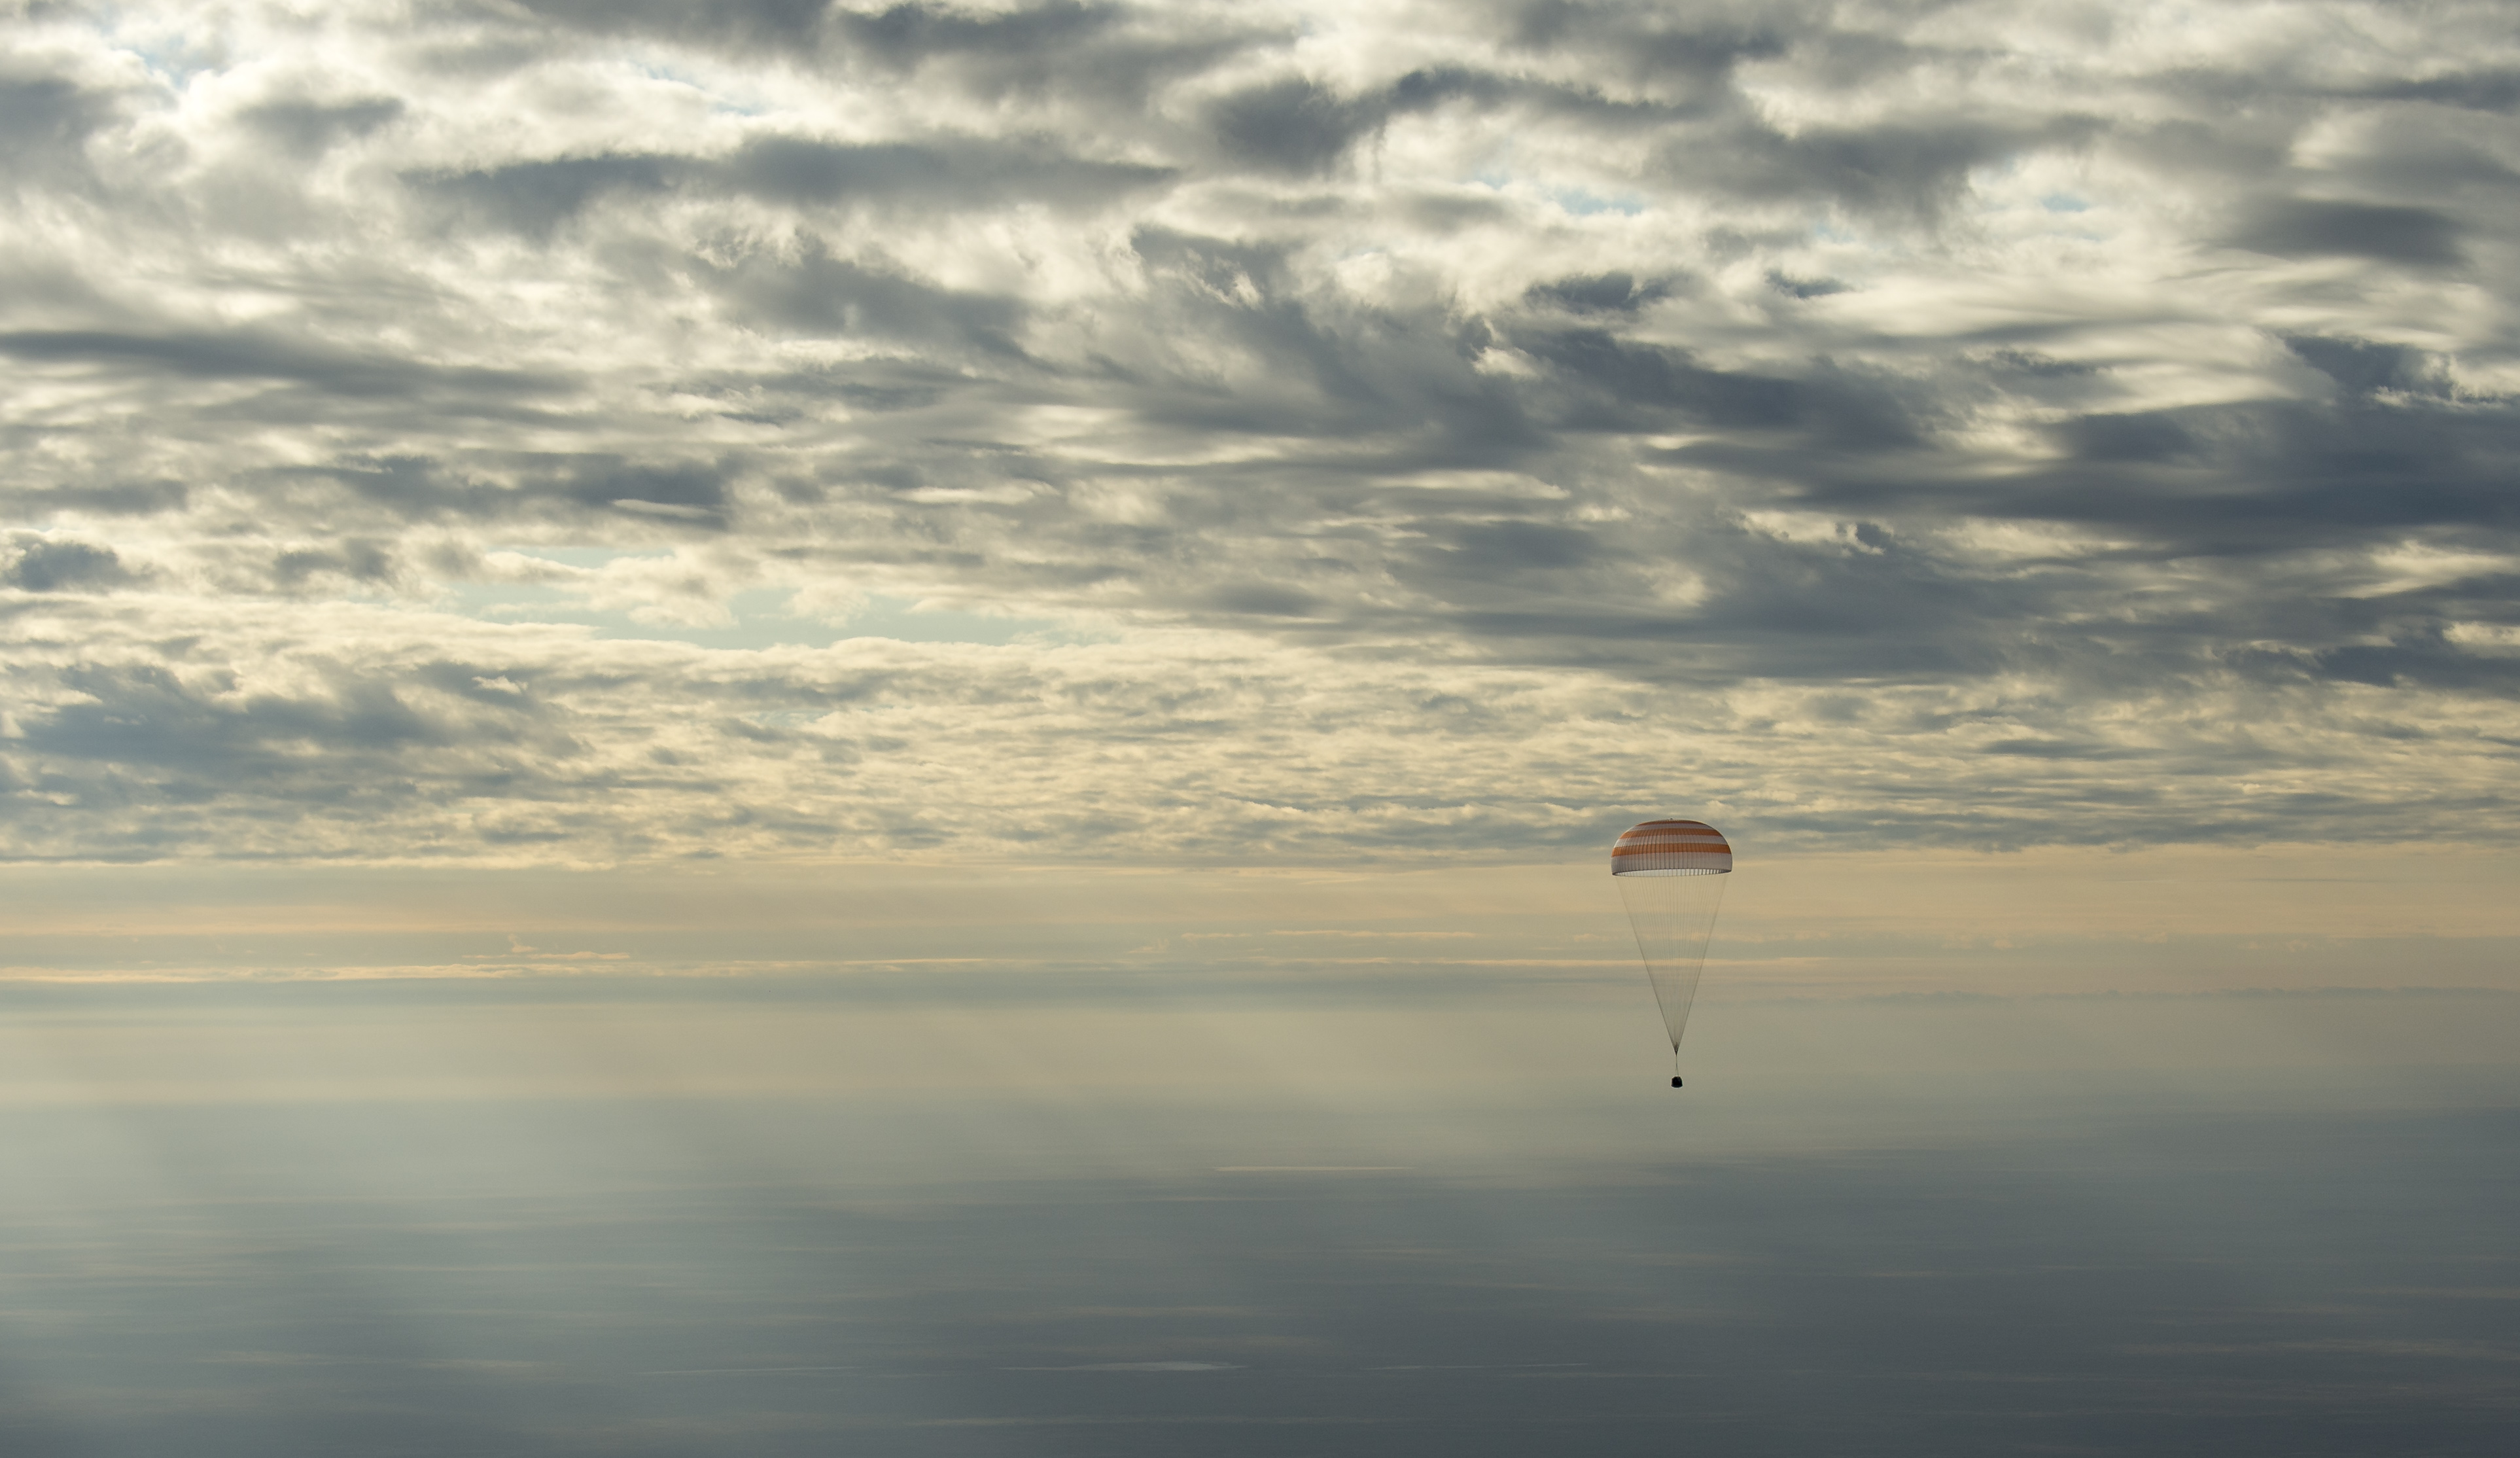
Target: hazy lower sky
(777,727)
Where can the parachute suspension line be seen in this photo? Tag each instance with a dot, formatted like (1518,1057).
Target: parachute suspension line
(1673,911)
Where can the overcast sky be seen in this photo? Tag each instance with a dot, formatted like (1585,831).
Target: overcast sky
(890,729)
(578,432)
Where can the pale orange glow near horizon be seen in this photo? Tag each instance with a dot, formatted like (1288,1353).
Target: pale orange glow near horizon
(2030,923)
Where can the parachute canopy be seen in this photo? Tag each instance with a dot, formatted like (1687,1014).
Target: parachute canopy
(1672,847)
(1672,875)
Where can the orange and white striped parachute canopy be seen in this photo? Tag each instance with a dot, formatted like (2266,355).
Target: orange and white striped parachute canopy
(1672,847)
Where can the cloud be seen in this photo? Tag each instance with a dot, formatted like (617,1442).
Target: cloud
(814,293)
(308,130)
(247,356)
(2303,227)
(1991,433)
(39,564)
(1291,126)
(45,123)
(1616,292)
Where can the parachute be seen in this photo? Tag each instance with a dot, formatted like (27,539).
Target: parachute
(1672,874)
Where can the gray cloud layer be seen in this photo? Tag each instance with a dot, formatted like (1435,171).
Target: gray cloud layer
(1451,427)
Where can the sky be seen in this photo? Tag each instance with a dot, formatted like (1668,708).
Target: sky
(788,639)
(572,434)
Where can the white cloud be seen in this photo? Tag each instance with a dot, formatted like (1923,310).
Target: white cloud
(1991,428)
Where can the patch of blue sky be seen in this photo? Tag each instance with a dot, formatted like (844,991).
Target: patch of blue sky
(1583,202)
(587,557)
(170,56)
(2065,203)
(719,101)
(1579,200)
(904,620)
(761,617)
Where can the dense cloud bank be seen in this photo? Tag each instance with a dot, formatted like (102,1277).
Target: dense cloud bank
(1371,430)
